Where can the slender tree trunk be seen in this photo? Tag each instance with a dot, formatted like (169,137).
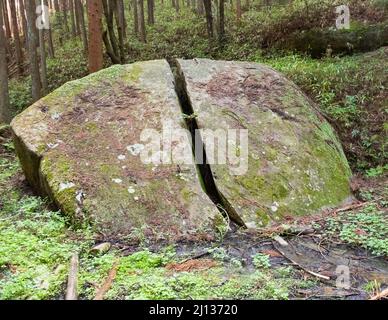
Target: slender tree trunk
(32,45)
(135,18)
(16,37)
(209,18)
(177,6)
(108,7)
(95,35)
(43,63)
(50,42)
(142,28)
(81,16)
(238,10)
(221,21)
(72,18)
(6,20)
(58,15)
(24,20)
(120,25)
(65,20)
(123,22)
(200,8)
(150,12)
(5,112)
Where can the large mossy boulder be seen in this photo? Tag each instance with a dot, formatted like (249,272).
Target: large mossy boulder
(81,147)
(295,164)
(90,147)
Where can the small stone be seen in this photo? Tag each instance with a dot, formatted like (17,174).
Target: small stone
(131,190)
(101,248)
(118,181)
(121,157)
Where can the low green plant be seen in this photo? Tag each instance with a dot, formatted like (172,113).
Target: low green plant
(261,261)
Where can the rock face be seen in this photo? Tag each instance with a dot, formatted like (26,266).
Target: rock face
(112,149)
(84,143)
(294,163)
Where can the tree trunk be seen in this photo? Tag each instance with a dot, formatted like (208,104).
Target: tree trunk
(43,64)
(120,25)
(221,21)
(32,45)
(209,18)
(81,15)
(5,113)
(58,15)
(123,22)
(142,29)
(72,18)
(6,20)
(238,10)
(108,7)
(95,35)
(16,37)
(51,53)
(150,12)
(135,18)
(24,20)
(65,20)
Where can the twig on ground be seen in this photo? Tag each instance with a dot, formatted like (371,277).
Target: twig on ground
(382,294)
(320,276)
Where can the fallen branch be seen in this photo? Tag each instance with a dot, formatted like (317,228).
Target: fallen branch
(320,276)
(350,207)
(382,294)
(71,292)
(108,283)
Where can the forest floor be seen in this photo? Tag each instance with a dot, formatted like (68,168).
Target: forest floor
(338,254)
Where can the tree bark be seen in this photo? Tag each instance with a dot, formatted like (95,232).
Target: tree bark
(65,20)
(51,53)
(6,20)
(221,21)
(43,63)
(5,112)
(135,18)
(238,10)
(58,15)
(142,27)
(108,7)
(95,35)
(16,37)
(36,86)
(120,26)
(150,12)
(209,18)
(72,18)
(81,16)
(24,20)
